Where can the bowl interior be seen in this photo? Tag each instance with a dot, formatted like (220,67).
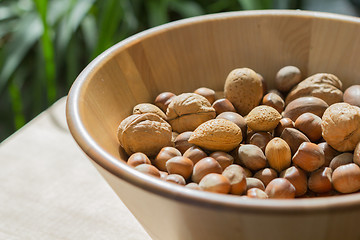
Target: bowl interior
(182,56)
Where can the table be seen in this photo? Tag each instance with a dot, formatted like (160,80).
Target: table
(50,190)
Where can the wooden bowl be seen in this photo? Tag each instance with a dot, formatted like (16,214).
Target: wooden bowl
(182,56)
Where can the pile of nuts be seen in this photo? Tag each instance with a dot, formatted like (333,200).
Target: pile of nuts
(301,139)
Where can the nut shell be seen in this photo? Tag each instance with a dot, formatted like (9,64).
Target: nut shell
(287,77)
(244,89)
(346,178)
(148,108)
(263,118)
(217,135)
(278,154)
(341,126)
(146,133)
(187,111)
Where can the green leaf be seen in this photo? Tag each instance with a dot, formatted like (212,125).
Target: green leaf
(255,4)
(27,33)
(186,8)
(157,10)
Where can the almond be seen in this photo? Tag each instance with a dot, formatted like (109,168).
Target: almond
(263,118)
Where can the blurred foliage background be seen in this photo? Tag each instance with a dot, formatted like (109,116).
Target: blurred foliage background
(44,44)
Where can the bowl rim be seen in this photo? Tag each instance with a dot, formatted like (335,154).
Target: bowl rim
(179,193)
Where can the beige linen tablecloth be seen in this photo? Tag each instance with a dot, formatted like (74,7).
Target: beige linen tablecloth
(50,190)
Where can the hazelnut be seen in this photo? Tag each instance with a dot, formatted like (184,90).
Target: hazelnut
(148,108)
(287,77)
(235,118)
(252,157)
(146,133)
(329,153)
(180,165)
(294,138)
(277,92)
(244,89)
(352,95)
(266,175)
(175,178)
(309,157)
(164,155)
(223,105)
(148,169)
(137,159)
(278,154)
(195,154)
(310,125)
(254,183)
(247,172)
(223,158)
(193,185)
(297,178)
(341,159)
(284,123)
(217,135)
(346,178)
(187,111)
(263,118)
(256,193)
(320,181)
(235,174)
(302,105)
(215,182)
(280,188)
(275,101)
(341,126)
(203,167)
(163,100)
(182,141)
(207,93)
(260,139)
(263,83)
(163,174)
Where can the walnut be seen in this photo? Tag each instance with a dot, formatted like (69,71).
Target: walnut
(341,126)
(146,133)
(148,108)
(187,111)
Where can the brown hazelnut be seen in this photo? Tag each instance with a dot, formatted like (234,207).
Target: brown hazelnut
(256,193)
(277,92)
(310,125)
(237,179)
(341,126)
(146,133)
(137,159)
(254,183)
(287,77)
(266,175)
(280,188)
(283,123)
(263,118)
(247,172)
(215,182)
(195,154)
(294,138)
(187,111)
(252,157)
(175,178)
(164,155)
(329,153)
(341,159)
(223,158)
(148,169)
(275,101)
(346,178)
(297,178)
(260,139)
(163,174)
(352,95)
(193,185)
(235,118)
(182,141)
(320,181)
(278,154)
(180,165)
(309,157)
(163,100)
(203,167)
(223,105)
(263,83)
(207,93)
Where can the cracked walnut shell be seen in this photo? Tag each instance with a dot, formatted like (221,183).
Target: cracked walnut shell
(146,133)
(341,126)
(187,111)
